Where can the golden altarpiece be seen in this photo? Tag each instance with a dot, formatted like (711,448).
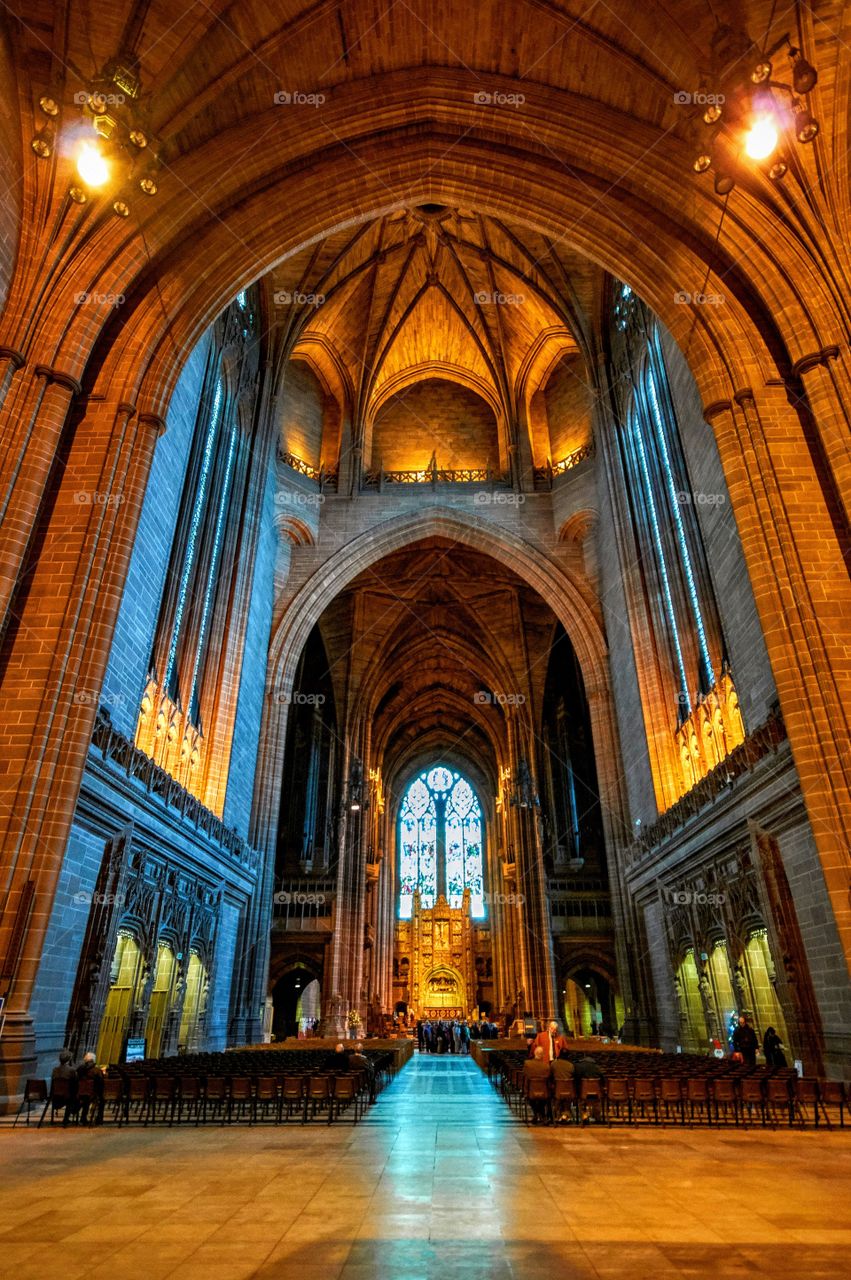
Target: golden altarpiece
(435,954)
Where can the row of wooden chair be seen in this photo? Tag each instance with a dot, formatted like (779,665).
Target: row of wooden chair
(178,1099)
(701,1099)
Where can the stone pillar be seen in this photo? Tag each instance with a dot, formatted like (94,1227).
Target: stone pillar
(803,598)
(56,656)
(31,428)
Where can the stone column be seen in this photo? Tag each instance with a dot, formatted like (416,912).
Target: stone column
(31,428)
(56,658)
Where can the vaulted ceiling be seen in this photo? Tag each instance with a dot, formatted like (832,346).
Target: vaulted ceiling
(455,644)
(433,291)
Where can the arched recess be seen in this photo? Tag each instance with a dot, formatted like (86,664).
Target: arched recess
(438,418)
(559,591)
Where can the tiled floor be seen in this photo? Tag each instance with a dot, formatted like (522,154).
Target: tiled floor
(439,1181)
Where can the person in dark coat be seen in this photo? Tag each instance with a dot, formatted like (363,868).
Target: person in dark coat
(65,1076)
(745,1041)
(772,1047)
(587,1069)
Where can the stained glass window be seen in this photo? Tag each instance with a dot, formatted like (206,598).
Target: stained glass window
(195,524)
(441,814)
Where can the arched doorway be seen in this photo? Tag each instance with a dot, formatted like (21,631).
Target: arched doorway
(589,1003)
(124,980)
(293,994)
(160,1002)
(191,1032)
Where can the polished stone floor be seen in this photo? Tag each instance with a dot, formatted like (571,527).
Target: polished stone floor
(439,1181)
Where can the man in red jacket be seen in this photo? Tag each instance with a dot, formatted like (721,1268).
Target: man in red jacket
(550,1041)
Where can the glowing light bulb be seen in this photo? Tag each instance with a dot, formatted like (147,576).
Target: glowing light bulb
(762,138)
(92,165)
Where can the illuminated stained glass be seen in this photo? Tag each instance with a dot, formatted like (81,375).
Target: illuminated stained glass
(441,808)
(195,523)
(418,848)
(212,577)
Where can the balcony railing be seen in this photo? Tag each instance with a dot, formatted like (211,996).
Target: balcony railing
(325,477)
(377,480)
(544,476)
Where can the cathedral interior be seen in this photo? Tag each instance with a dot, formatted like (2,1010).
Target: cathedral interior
(424,561)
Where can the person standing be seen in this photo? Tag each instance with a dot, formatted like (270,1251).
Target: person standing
(772,1047)
(745,1041)
(550,1041)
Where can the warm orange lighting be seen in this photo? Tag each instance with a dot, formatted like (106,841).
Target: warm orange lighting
(762,138)
(92,165)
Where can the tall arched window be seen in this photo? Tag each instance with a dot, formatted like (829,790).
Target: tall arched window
(671,557)
(441,834)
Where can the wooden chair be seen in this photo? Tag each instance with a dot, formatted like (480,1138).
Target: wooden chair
(35,1092)
(61,1097)
(215,1098)
(161,1100)
(188,1100)
(751,1097)
(267,1099)
(644,1098)
(240,1099)
(834,1097)
(725,1099)
(618,1099)
(671,1098)
(698,1098)
(292,1095)
(317,1096)
(564,1099)
(778,1096)
(345,1094)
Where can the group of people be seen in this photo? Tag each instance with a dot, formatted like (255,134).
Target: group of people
(549,1060)
(84,1106)
(444,1037)
(745,1044)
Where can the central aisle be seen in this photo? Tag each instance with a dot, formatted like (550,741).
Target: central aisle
(444,1089)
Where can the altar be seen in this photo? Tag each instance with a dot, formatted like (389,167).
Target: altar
(440,946)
